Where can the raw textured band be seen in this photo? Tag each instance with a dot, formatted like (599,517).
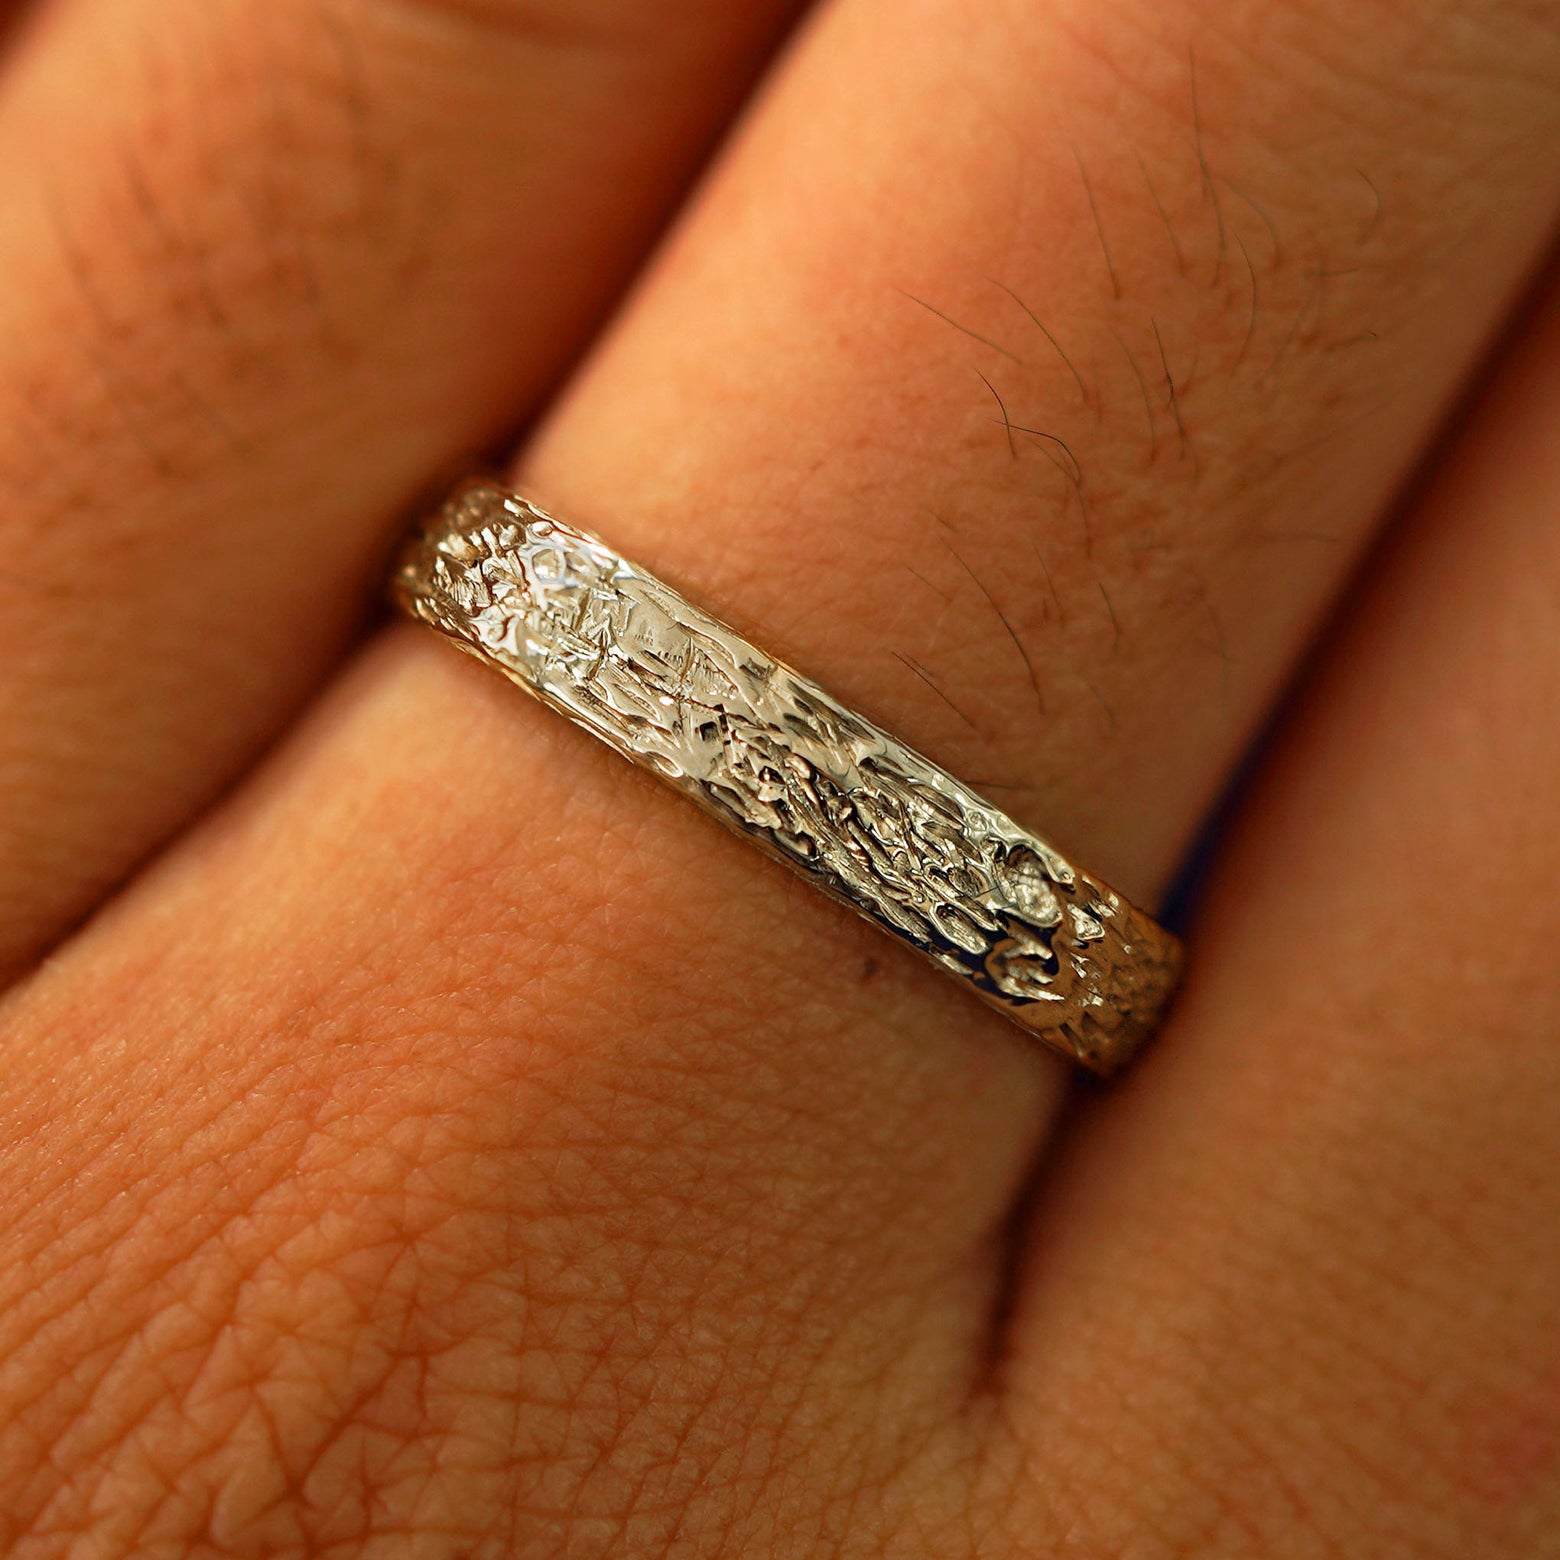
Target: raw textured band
(868,820)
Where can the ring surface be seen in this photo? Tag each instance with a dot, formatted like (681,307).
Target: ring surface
(769,753)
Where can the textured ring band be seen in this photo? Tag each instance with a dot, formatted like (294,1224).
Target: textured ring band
(769,753)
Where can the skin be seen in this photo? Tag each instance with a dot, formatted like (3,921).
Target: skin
(450,1143)
(289,265)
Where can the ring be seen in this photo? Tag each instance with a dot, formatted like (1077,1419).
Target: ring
(770,754)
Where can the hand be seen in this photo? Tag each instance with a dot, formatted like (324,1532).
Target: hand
(442,1140)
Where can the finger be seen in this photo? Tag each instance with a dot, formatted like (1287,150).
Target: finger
(1311,1250)
(707,1186)
(266,270)
(1091,388)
